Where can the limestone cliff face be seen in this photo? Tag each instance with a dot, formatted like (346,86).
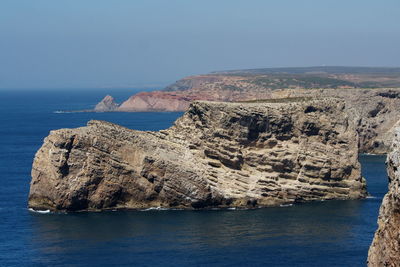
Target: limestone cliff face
(216,155)
(374,108)
(375,113)
(385,248)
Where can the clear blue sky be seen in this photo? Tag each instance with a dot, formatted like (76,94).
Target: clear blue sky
(121,43)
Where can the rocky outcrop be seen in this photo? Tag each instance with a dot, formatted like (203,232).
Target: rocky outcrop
(385,248)
(215,155)
(156,101)
(106,104)
(374,111)
(200,88)
(371,94)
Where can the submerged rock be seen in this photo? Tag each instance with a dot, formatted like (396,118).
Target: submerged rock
(385,248)
(215,155)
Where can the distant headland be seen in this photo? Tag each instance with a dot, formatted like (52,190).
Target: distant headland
(252,84)
(372,94)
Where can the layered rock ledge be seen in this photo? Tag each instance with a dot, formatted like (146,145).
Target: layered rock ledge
(215,155)
(374,111)
(385,248)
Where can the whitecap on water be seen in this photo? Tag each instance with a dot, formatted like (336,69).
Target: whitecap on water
(40,211)
(156,208)
(286,205)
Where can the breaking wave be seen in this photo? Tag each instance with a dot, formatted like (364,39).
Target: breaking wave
(40,211)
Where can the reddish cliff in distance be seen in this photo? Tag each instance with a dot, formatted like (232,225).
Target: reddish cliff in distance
(372,95)
(180,100)
(243,85)
(157,101)
(178,96)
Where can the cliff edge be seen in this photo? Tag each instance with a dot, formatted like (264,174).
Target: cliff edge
(385,248)
(215,155)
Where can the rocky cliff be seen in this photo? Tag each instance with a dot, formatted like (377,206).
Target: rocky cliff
(374,109)
(106,104)
(178,96)
(156,101)
(216,155)
(385,248)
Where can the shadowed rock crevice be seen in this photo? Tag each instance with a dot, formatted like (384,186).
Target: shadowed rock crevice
(64,167)
(379,107)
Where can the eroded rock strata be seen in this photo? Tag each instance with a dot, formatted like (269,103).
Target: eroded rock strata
(215,155)
(385,248)
(372,94)
(375,113)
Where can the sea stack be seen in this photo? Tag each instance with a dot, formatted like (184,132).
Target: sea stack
(385,248)
(216,155)
(107,104)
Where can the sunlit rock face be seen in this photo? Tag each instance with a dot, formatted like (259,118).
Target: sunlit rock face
(216,155)
(374,111)
(372,95)
(107,104)
(385,248)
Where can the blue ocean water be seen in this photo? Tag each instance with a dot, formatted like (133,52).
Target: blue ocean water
(331,233)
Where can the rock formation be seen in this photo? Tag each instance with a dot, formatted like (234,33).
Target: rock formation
(214,88)
(374,109)
(215,155)
(385,248)
(156,101)
(107,104)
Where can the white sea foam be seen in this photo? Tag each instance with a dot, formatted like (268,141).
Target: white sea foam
(371,197)
(286,205)
(40,211)
(75,111)
(156,208)
(370,154)
(68,111)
